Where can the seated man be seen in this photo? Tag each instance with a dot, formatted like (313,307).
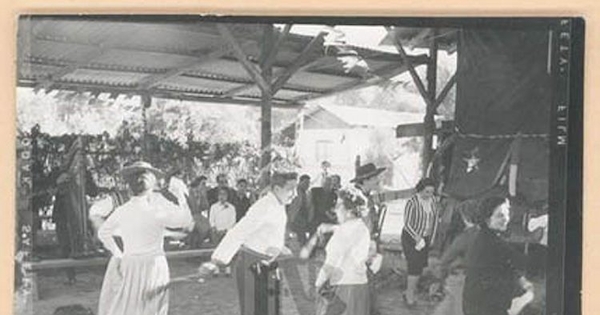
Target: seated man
(222,219)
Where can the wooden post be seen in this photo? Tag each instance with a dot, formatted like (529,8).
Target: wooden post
(429,122)
(265,108)
(81,172)
(146,103)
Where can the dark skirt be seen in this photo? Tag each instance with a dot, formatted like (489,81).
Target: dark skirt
(415,259)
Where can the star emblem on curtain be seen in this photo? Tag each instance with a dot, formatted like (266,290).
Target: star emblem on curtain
(472,160)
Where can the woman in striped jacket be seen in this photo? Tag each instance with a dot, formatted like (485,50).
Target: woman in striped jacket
(420,225)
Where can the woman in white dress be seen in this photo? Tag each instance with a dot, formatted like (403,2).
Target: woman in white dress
(138,275)
(344,271)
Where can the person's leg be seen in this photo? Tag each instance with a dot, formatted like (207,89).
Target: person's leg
(246,281)
(240,277)
(411,288)
(71,275)
(408,247)
(372,295)
(295,283)
(452,302)
(64,244)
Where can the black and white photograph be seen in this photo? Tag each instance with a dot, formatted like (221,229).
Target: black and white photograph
(189,164)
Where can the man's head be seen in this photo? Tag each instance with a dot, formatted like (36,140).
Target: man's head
(283,186)
(325,165)
(304,183)
(372,183)
(242,185)
(178,172)
(223,194)
(368,177)
(200,181)
(222,180)
(336,182)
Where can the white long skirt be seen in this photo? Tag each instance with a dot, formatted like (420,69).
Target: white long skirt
(135,285)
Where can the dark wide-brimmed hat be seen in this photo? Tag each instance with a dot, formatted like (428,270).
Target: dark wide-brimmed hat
(367,171)
(140,166)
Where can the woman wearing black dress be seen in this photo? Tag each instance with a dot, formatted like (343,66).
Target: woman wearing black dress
(492,279)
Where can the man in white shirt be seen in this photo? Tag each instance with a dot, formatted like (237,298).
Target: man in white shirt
(258,237)
(221,219)
(222,214)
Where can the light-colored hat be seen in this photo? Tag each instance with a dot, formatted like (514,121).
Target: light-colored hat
(140,166)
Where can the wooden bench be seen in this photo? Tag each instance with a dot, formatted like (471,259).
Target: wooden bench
(32,267)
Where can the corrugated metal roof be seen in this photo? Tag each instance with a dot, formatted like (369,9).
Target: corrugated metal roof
(87,53)
(103,77)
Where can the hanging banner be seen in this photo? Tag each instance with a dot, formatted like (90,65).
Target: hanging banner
(503,92)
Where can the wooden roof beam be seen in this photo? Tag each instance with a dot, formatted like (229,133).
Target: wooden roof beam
(440,98)
(378,77)
(300,61)
(313,64)
(411,69)
(270,58)
(252,70)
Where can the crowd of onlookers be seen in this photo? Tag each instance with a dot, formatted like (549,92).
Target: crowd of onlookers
(216,209)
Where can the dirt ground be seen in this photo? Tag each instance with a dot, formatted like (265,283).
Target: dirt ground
(214,296)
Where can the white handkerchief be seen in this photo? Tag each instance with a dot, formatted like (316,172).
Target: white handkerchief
(420,245)
(520,302)
(376,262)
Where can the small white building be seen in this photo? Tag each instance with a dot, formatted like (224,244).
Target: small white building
(338,134)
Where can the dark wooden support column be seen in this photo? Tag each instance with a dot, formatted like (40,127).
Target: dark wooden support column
(265,108)
(428,93)
(429,121)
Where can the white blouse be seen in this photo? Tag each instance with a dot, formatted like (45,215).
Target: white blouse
(262,229)
(347,252)
(141,223)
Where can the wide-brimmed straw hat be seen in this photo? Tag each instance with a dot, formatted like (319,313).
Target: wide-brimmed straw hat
(367,171)
(140,166)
